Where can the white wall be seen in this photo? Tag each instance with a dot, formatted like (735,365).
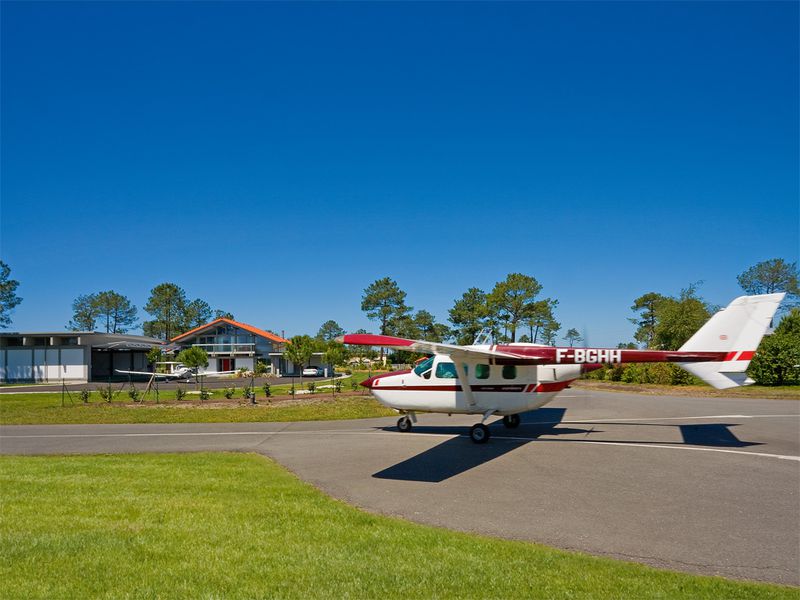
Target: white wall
(72,364)
(19,363)
(39,370)
(53,371)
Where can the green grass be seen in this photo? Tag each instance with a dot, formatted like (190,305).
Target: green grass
(46,408)
(21,409)
(239,526)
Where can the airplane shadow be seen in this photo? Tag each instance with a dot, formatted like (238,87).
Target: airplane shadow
(459,454)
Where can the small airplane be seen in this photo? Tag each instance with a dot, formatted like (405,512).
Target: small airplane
(509,379)
(177,371)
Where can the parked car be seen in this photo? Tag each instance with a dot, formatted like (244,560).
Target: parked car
(312,372)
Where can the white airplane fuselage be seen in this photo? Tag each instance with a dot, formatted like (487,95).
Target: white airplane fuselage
(502,389)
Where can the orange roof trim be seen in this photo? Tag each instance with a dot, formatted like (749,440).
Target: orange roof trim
(245,326)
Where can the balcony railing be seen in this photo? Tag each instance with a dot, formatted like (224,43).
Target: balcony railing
(227,348)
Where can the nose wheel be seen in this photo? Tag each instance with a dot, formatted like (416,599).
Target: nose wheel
(479,433)
(511,421)
(404,424)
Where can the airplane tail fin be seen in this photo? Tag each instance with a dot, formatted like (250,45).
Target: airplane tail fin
(736,330)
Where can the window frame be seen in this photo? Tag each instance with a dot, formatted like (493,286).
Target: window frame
(513,371)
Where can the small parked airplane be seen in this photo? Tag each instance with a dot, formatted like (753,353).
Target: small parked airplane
(509,379)
(177,371)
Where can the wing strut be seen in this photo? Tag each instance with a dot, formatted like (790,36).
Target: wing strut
(461,372)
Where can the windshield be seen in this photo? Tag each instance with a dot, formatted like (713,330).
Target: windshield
(425,365)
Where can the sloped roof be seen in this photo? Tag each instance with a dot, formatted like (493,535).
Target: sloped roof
(245,326)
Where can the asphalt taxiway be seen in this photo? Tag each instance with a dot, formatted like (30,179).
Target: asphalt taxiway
(704,485)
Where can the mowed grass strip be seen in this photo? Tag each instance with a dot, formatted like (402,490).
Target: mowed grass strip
(46,408)
(240,526)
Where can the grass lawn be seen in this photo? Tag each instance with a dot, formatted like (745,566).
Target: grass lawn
(240,526)
(45,408)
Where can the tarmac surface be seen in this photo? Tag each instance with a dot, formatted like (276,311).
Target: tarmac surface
(702,485)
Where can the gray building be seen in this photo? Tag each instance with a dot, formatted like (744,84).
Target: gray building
(72,356)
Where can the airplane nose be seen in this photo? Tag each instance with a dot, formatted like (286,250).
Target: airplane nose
(367,383)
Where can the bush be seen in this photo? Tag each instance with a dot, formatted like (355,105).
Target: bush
(683,377)
(615,373)
(267,390)
(246,392)
(84,395)
(261,368)
(106,393)
(229,392)
(337,385)
(353,386)
(312,386)
(205,394)
(180,393)
(634,373)
(133,393)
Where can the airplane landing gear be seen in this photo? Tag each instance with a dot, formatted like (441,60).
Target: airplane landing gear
(404,424)
(511,421)
(479,433)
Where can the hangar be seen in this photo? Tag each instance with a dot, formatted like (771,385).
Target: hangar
(74,356)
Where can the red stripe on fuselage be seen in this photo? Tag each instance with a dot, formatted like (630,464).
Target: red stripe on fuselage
(555,386)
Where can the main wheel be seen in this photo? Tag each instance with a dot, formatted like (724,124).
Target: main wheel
(404,424)
(511,421)
(479,433)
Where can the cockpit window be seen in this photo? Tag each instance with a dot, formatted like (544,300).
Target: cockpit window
(446,370)
(423,367)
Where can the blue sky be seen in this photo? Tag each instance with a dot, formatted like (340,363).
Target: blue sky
(276,158)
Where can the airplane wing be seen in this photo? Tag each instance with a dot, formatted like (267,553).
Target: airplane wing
(215,373)
(456,352)
(148,373)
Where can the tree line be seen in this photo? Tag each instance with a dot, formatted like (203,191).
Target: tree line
(171,312)
(512,311)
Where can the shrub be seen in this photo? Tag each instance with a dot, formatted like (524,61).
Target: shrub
(267,390)
(180,393)
(683,377)
(312,386)
(615,373)
(337,385)
(246,392)
(634,373)
(106,393)
(229,392)
(205,394)
(84,395)
(133,393)
(353,386)
(261,368)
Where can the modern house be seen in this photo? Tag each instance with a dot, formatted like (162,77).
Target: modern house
(232,345)
(73,356)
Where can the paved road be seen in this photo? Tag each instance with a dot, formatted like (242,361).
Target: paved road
(703,485)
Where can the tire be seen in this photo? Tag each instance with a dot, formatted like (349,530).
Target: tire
(404,424)
(479,433)
(511,421)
